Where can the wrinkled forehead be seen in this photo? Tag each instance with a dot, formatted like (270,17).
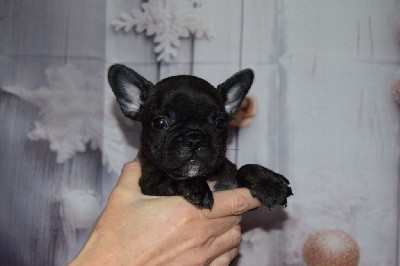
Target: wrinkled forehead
(188,94)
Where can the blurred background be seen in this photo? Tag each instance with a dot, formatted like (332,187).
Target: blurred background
(327,81)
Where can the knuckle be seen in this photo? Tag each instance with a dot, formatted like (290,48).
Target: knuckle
(232,254)
(186,212)
(236,235)
(201,239)
(226,259)
(240,204)
(230,240)
(201,259)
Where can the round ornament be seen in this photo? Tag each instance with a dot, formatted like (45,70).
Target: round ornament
(331,247)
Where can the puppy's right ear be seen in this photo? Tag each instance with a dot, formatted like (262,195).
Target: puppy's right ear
(130,88)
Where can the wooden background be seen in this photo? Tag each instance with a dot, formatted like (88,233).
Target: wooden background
(326,119)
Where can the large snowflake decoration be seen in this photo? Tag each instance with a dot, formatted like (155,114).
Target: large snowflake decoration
(74,113)
(168,20)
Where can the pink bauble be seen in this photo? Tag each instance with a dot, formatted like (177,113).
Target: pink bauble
(396,90)
(331,247)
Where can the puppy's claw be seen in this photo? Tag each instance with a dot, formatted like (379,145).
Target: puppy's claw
(207,203)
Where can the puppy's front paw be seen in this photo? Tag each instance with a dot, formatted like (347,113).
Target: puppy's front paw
(267,186)
(197,193)
(200,199)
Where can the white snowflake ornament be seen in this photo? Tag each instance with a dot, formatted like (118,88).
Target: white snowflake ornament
(76,111)
(68,110)
(168,20)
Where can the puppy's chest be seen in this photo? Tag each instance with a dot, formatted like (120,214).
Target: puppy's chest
(211,184)
(211,180)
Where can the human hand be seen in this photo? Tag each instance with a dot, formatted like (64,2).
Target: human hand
(136,229)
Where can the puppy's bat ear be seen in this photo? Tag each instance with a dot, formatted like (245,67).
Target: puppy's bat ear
(235,88)
(130,88)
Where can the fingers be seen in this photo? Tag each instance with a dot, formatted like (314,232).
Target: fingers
(226,246)
(226,258)
(230,239)
(231,202)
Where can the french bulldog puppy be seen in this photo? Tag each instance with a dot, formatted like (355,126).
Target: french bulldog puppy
(184,133)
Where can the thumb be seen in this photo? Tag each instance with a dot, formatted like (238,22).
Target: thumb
(231,202)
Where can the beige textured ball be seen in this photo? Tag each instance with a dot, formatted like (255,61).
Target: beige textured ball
(246,113)
(396,90)
(331,247)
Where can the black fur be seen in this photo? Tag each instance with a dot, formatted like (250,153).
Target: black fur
(184,133)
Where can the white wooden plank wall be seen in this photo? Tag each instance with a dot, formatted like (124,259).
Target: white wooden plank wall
(340,128)
(326,117)
(35,35)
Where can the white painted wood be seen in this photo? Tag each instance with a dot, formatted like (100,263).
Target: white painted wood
(225,17)
(85,48)
(341,139)
(37,35)
(260,141)
(85,29)
(27,190)
(343,30)
(175,68)
(261,51)
(31,180)
(126,47)
(326,117)
(180,65)
(340,123)
(261,29)
(218,59)
(34,27)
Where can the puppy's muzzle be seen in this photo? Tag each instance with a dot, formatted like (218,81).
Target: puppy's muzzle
(193,139)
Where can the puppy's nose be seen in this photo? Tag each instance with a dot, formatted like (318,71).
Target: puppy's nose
(194,139)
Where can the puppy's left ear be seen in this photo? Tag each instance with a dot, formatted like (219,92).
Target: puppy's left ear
(130,88)
(235,88)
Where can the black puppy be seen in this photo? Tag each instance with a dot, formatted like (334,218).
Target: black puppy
(184,133)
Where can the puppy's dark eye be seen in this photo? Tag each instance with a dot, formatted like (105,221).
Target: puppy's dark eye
(220,123)
(159,123)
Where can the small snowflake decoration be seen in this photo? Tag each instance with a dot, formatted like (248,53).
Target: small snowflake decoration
(168,20)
